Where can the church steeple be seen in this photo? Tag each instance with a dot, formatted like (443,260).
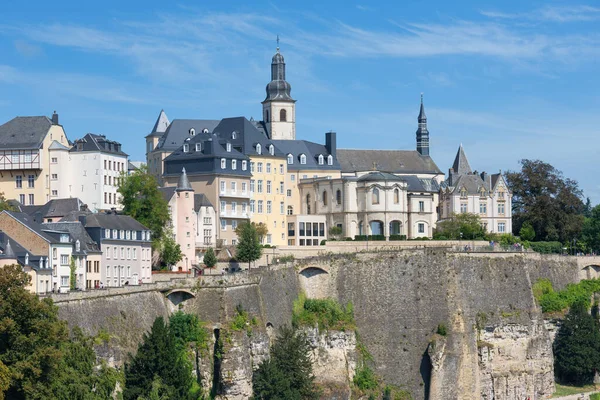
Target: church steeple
(422,132)
(279,111)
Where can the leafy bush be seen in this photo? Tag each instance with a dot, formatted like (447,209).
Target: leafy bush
(552,301)
(365,379)
(323,242)
(547,247)
(442,330)
(347,239)
(369,237)
(595,396)
(397,237)
(542,287)
(326,313)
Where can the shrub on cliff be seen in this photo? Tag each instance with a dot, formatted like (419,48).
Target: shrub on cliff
(288,373)
(577,346)
(324,313)
(552,301)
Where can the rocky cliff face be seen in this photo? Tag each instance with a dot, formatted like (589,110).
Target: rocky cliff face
(496,346)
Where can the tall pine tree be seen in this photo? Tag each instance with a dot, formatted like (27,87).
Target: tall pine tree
(577,346)
(158,356)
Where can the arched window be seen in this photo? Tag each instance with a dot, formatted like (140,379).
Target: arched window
(375,196)
(396,196)
(290,159)
(290,210)
(266,115)
(192,132)
(283,115)
(271,150)
(302,159)
(330,160)
(338,197)
(308,204)
(258,149)
(77,246)
(233,135)
(324,197)
(321,159)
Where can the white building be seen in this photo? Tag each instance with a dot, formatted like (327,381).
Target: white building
(95,167)
(486,195)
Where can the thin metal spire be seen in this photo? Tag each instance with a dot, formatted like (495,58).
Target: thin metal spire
(278,43)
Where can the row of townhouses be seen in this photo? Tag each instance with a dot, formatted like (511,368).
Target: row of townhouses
(216,174)
(64,246)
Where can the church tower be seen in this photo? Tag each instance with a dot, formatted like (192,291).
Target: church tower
(279,109)
(422,132)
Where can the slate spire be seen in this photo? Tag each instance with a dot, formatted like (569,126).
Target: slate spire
(162,123)
(8,250)
(278,89)
(184,183)
(461,164)
(422,132)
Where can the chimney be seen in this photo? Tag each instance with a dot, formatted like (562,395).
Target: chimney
(82,219)
(330,143)
(484,176)
(208,146)
(54,118)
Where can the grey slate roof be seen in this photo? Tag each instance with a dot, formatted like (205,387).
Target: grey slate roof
(106,221)
(184,183)
(200,200)
(461,164)
(394,161)
(379,176)
(161,125)
(93,142)
(77,232)
(24,132)
(18,252)
(416,184)
(311,150)
(167,192)
(179,130)
(54,208)
(57,146)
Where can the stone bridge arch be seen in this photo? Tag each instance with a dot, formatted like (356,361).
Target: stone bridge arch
(315,281)
(590,272)
(178,296)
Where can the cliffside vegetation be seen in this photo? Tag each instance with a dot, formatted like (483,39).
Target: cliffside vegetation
(38,357)
(161,368)
(288,373)
(324,313)
(558,301)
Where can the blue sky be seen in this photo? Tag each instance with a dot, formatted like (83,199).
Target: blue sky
(507,79)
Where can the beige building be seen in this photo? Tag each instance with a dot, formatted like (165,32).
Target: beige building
(485,195)
(27,145)
(37,268)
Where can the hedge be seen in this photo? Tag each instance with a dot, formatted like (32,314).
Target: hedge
(369,237)
(397,237)
(547,247)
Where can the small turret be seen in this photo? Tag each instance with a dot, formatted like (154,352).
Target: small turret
(422,132)
(184,183)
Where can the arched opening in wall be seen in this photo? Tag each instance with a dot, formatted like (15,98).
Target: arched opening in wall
(283,115)
(338,197)
(217,383)
(592,271)
(269,325)
(425,371)
(376,227)
(324,197)
(177,297)
(395,228)
(315,283)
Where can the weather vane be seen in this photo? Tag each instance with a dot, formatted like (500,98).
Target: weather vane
(277,42)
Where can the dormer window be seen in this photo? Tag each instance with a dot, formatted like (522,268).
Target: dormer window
(233,134)
(233,164)
(77,246)
(223,163)
(321,159)
(290,159)
(330,160)
(258,149)
(271,150)
(198,146)
(302,159)
(186,148)
(64,238)
(463,192)
(204,130)
(244,165)
(192,132)
(228,147)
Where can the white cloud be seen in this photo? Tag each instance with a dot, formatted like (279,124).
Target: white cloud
(571,13)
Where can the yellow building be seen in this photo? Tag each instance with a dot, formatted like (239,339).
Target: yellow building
(27,148)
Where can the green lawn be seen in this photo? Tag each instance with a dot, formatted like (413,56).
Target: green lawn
(563,390)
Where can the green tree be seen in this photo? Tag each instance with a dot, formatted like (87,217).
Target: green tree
(591,229)
(248,248)
(38,357)
(577,346)
(261,230)
(170,253)
(335,232)
(143,201)
(73,274)
(551,203)
(158,356)
(5,205)
(210,259)
(288,373)
(527,232)
(466,223)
